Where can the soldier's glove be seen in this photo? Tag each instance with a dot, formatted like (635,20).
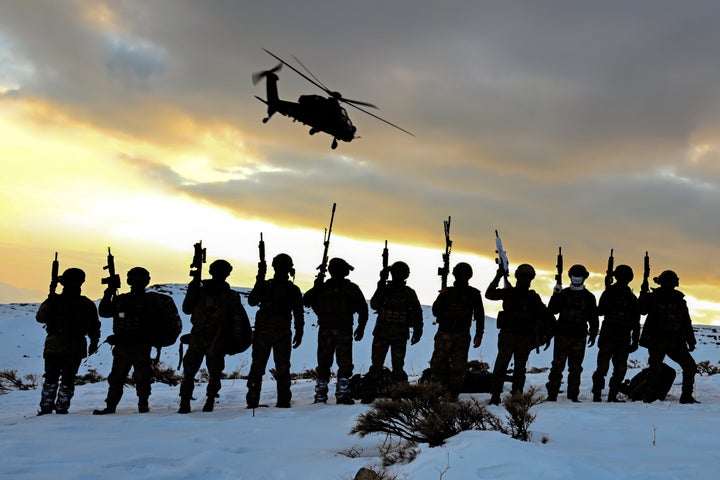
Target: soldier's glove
(297,340)
(557,288)
(477,341)
(633,347)
(691,347)
(417,333)
(359,333)
(93,347)
(547,343)
(591,340)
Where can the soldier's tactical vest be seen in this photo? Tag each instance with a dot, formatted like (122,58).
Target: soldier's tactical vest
(395,307)
(621,309)
(134,317)
(333,299)
(670,314)
(457,310)
(520,312)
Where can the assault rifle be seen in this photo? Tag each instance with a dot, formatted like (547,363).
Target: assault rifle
(262,264)
(199,257)
(558,275)
(502,260)
(385,268)
(113,279)
(645,287)
(609,271)
(322,268)
(54,275)
(444,271)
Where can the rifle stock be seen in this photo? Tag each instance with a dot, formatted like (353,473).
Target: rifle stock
(199,257)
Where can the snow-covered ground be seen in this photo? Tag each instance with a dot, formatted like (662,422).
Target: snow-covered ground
(663,440)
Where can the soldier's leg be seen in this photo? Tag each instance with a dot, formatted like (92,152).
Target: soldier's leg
(560,355)
(398,348)
(70,367)
(215,361)
(282,349)
(604,355)
(522,351)
(576,355)
(143,376)
(504,355)
(380,347)
(191,364)
(121,366)
(655,360)
(325,352)
(343,349)
(50,384)
(619,361)
(260,354)
(440,360)
(460,345)
(689,369)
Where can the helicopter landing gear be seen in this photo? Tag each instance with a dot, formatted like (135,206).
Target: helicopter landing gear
(265,120)
(334,144)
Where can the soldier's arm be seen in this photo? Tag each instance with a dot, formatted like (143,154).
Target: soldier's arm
(298,311)
(556,303)
(479,315)
(92,321)
(437,306)
(377,298)
(493,292)
(361,307)
(191,297)
(593,320)
(106,309)
(689,331)
(45,311)
(256,294)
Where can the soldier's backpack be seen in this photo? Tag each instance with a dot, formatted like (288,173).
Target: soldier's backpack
(637,387)
(477,378)
(168,325)
(370,386)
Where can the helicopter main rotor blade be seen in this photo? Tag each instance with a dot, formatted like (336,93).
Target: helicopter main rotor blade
(358,102)
(319,85)
(310,73)
(382,119)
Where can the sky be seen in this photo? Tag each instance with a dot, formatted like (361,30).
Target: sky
(586,125)
(662,440)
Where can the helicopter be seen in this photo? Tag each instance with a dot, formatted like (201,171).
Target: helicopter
(322,114)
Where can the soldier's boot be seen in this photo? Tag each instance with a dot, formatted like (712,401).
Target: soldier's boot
(143,404)
(105,411)
(252,397)
(47,398)
(284,394)
(343,396)
(495,399)
(612,396)
(209,404)
(65,394)
(321,391)
(184,405)
(597,396)
(687,398)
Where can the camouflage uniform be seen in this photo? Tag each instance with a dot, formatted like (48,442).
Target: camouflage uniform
(398,310)
(455,308)
(618,337)
(523,326)
(668,331)
(68,318)
(335,302)
(578,312)
(279,300)
(133,315)
(217,315)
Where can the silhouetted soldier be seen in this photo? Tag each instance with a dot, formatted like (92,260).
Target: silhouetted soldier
(68,317)
(455,309)
(280,300)
(619,333)
(578,313)
(134,316)
(398,310)
(668,331)
(335,302)
(217,317)
(523,324)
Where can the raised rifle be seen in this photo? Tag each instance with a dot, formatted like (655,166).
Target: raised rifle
(385,272)
(645,287)
(558,275)
(262,264)
(54,275)
(199,257)
(444,270)
(502,260)
(322,268)
(609,271)
(113,279)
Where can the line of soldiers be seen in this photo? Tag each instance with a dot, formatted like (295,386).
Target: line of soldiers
(220,327)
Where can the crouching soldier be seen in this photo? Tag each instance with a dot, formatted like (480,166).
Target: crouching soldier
(335,302)
(455,309)
(135,315)
(398,310)
(668,331)
(218,318)
(68,317)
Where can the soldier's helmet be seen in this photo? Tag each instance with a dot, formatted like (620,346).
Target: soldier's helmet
(282,262)
(463,270)
(667,278)
(138,276)
(623,273)
(72,276)
(339,267)
(525,270)
(399,271)
(578,271)
(220,268)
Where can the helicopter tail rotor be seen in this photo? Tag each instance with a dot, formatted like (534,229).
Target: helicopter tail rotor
(257,76)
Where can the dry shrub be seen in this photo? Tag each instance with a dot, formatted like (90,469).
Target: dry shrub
(9,380)
(518,407)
